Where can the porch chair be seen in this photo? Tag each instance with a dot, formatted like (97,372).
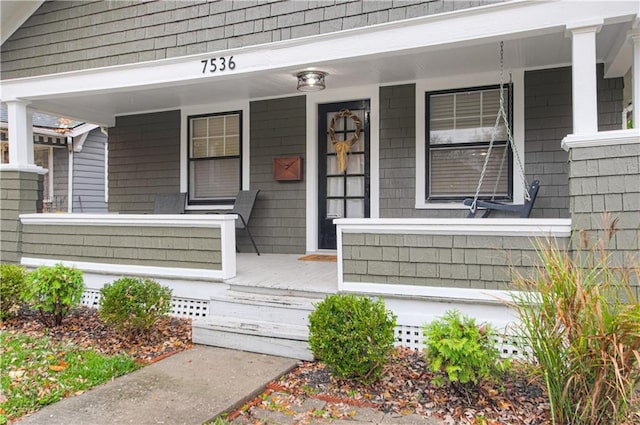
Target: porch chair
(170,203)
(489,206)
(243,206)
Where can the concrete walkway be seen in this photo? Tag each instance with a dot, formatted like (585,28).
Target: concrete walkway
(188,388)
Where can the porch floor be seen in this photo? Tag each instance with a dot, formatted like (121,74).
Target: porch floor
(284,272)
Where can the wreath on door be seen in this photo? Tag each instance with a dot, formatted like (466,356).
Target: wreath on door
(342,147)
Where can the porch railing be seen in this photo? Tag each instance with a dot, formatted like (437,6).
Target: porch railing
(198,247)
(469,259)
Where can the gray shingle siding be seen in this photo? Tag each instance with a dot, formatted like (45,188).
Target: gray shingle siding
(20,193)
(144,160)
(64,35)
(606,180)
(188,247)
(548,119)
(479,262)
(88,174)
(278,221)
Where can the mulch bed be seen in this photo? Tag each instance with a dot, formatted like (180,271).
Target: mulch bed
(85,328)
(406,388)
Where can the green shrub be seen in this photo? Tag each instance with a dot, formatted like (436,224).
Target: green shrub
(353,335)
(582,321)
(134,304)
(464,351)
(12,281)
(53,291)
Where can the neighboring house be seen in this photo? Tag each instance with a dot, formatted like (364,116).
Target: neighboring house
(74,155)
(201,98)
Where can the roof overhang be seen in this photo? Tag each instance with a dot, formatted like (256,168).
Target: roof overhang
(460,42)
(14,13)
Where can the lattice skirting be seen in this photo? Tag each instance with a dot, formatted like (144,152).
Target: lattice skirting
(508,344)
(180,307)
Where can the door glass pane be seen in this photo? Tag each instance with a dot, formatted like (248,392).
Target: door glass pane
(355,186)
(335,186)
(359,145)
(335,208)
(355,164)
(355,208)
(332,165)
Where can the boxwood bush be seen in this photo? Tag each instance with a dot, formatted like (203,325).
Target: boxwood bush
(53,290)
(353,335)
(134,305)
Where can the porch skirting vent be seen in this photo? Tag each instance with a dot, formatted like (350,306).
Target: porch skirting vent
(180,307)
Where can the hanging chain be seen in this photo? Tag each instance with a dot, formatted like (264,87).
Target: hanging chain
(502,114)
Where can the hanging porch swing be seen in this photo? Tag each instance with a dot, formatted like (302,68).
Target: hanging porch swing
(530,192)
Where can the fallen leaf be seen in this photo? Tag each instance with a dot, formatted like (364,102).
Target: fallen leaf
(57,367)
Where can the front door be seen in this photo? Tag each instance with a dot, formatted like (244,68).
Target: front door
(343,168)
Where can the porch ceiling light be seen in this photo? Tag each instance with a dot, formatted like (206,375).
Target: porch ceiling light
(311,80)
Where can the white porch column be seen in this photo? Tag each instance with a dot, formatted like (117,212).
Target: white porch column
(20,126)
(634,37)
(585,95)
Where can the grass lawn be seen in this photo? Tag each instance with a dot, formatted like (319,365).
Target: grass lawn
(35,372)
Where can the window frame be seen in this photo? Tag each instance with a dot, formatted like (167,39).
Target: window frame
(441,199)
(221,200)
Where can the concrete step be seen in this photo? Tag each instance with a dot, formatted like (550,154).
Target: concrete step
(280,339)
(262,307)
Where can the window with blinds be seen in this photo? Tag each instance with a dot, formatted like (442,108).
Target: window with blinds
(460,124)
(215,155)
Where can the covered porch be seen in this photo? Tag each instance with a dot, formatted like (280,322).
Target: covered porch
(396,227)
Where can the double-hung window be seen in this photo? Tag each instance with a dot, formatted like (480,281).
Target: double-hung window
(459,126)
(215,157)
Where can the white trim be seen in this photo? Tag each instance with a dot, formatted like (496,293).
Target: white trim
(372,93)
(106,171)
(491,296)
(524,227)
(31,168)
(130,270)
(78,142)
(531,227)
(51,172)
(602,138)
(215,108)
(132,220)
(226,223)
(228,247)
(583,75)
(20,133)
(82,130)
(70,150)
(461,82)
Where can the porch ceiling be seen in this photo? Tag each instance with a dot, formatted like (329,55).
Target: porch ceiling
(542,47)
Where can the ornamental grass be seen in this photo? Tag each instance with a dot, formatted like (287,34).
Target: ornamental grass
(581,319)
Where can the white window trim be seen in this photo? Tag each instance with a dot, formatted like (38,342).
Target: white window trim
(461,82)
(106,171)
(372,93)
(214,108)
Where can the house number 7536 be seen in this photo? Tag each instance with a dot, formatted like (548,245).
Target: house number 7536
(219,64)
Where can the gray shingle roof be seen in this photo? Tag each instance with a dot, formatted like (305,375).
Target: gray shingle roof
(39,119)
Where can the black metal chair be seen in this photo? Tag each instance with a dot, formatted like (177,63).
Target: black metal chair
(243,207)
